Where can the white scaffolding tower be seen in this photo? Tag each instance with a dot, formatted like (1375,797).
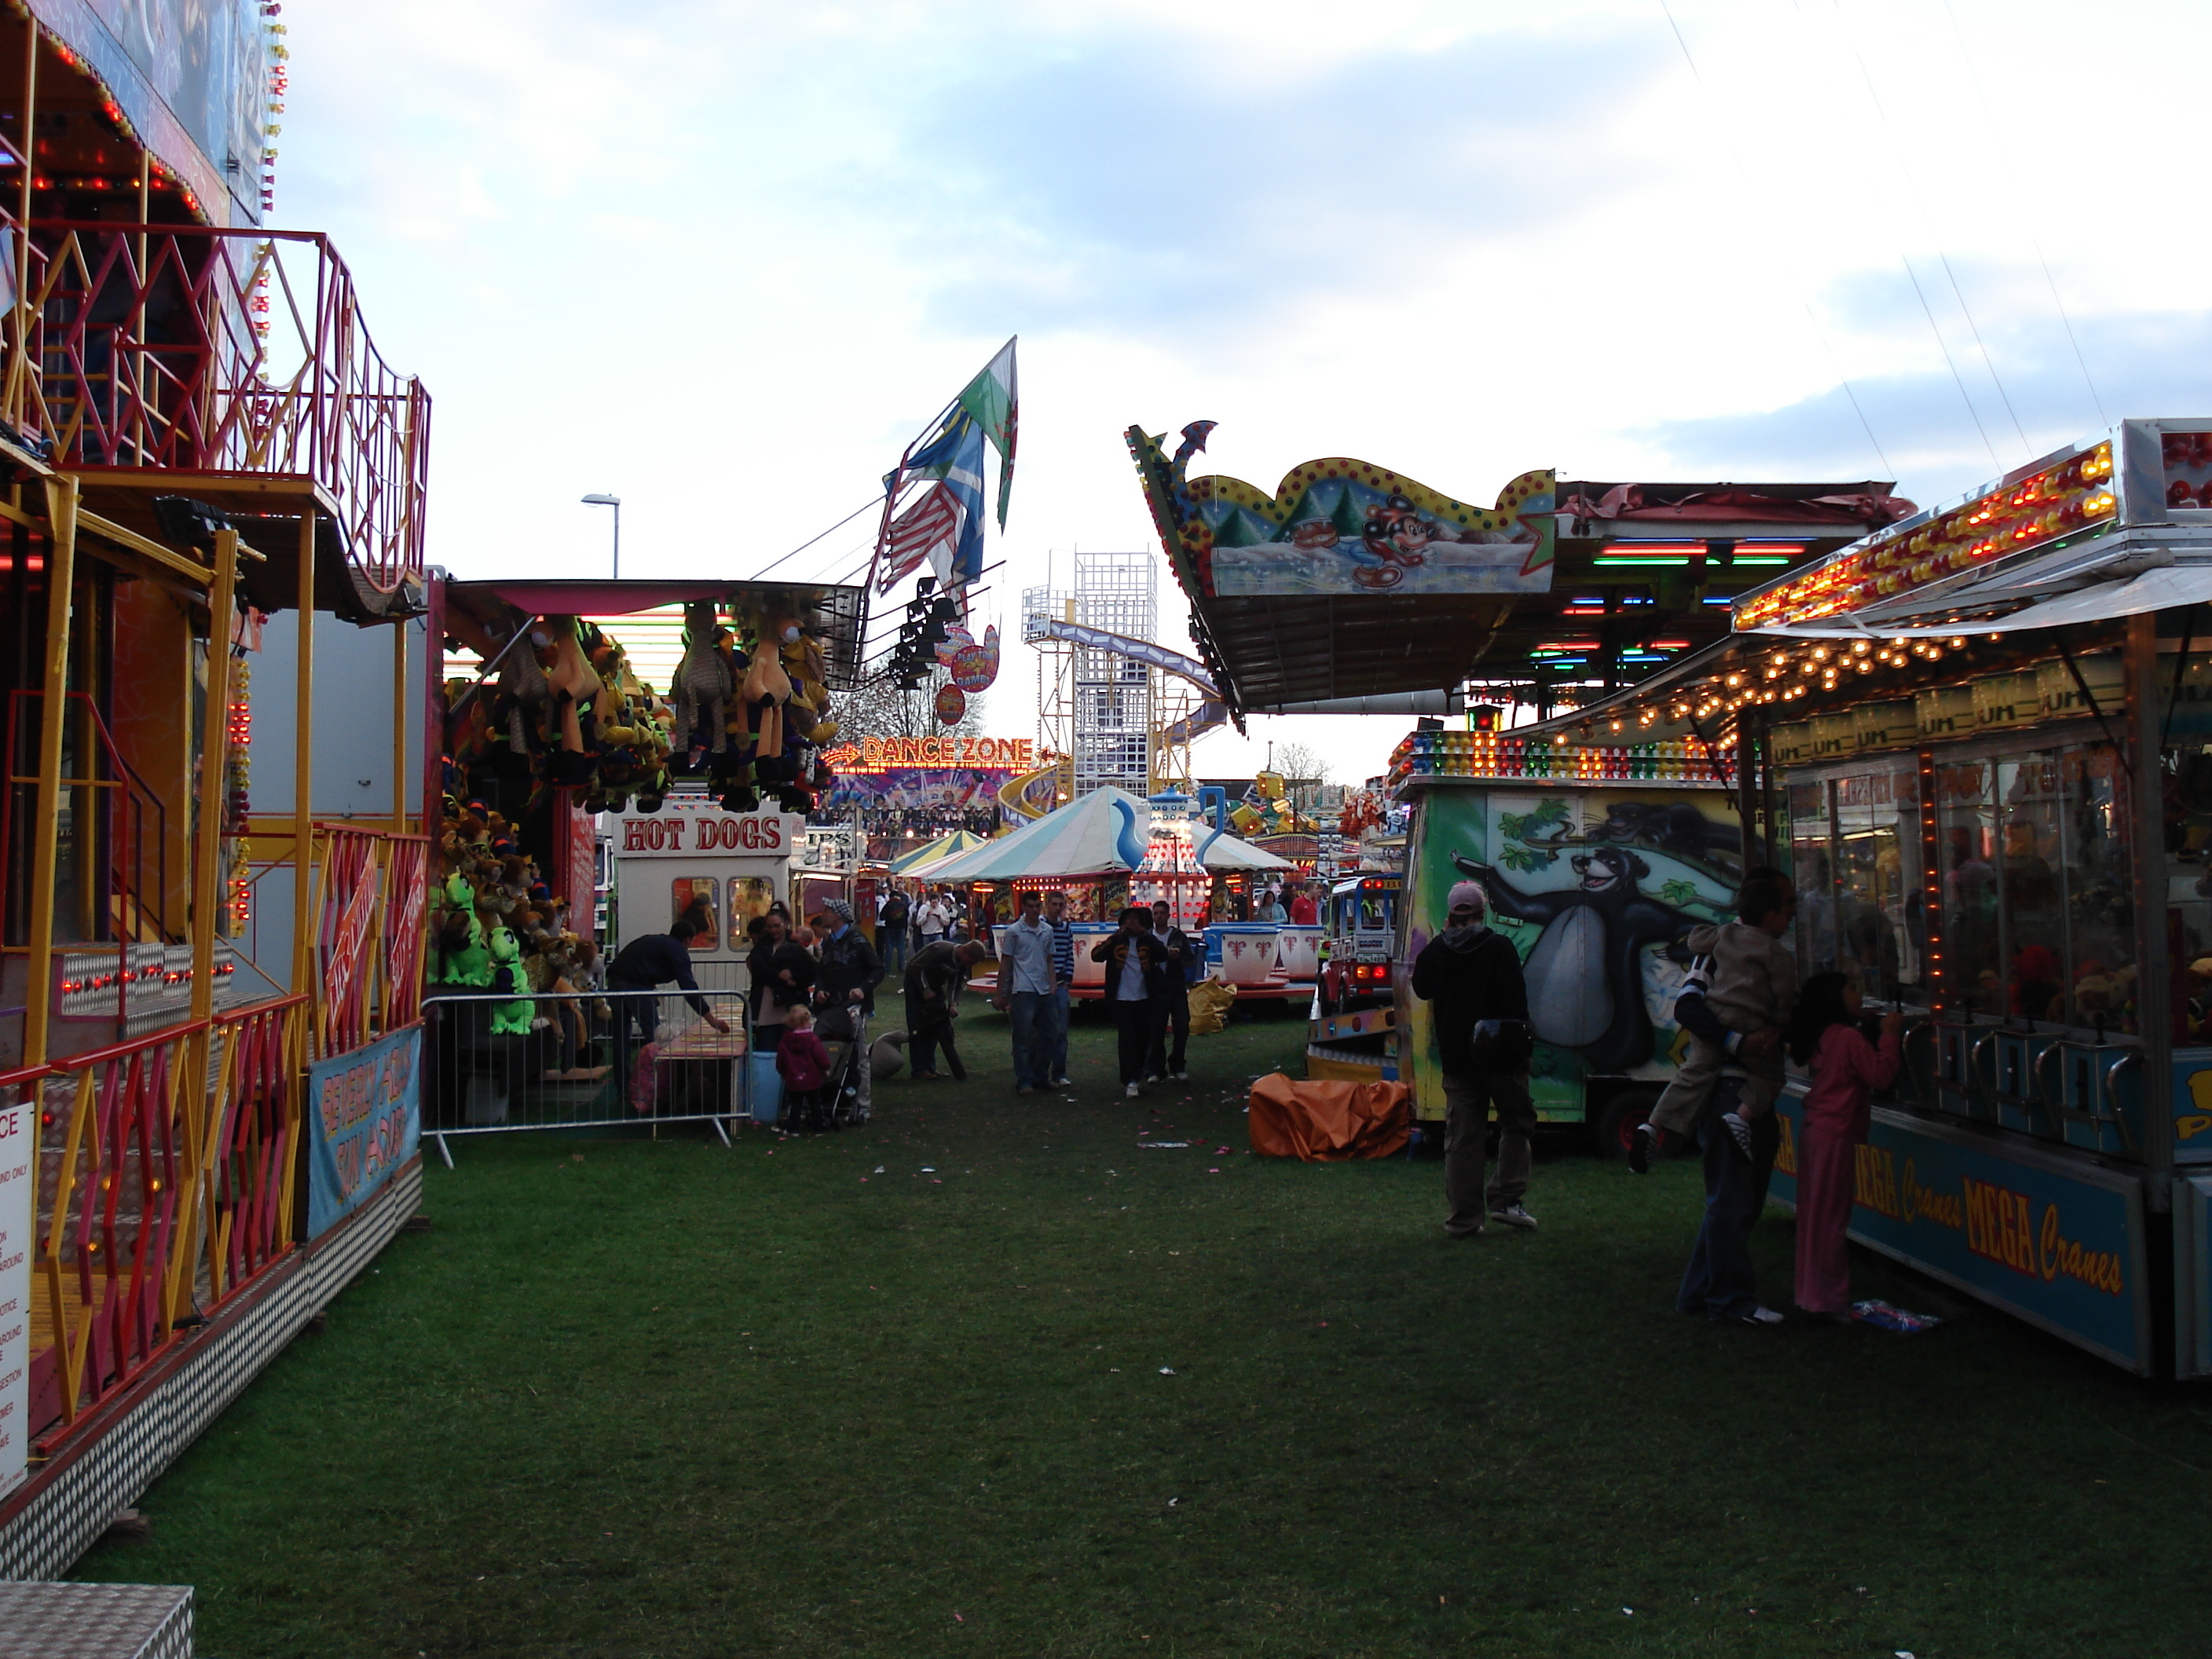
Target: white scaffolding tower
(1095,706)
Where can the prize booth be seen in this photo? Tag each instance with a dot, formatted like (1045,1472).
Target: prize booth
(1351,589)
(1981,741)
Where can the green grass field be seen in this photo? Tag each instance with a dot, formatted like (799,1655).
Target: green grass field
(987,1378)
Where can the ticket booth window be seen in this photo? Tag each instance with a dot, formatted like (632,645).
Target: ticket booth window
(750,897)
(693,899)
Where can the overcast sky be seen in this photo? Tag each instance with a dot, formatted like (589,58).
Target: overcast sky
(723,259)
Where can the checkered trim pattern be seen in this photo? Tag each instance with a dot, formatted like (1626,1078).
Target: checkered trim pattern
(95,1621)
(109,1461)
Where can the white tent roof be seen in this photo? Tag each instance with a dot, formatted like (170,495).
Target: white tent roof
(1083,839)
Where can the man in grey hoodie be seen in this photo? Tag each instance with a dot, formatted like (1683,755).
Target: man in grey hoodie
(1472,977)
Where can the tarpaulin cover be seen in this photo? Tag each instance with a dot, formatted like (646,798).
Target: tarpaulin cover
(1329,1122)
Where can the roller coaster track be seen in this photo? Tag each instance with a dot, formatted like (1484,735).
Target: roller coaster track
(1210,714)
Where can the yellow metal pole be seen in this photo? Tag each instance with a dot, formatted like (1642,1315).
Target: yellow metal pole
(303,749)
(207,851)
(399,732)
(45,823)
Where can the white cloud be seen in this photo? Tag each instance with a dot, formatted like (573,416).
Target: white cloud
(723,259)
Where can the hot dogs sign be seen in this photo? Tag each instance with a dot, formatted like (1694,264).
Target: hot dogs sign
(680,832)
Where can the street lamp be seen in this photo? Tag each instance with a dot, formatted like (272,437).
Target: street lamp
(600,499)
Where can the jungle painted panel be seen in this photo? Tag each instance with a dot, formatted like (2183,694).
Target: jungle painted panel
(1598,888)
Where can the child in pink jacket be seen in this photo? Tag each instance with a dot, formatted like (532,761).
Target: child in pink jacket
(804,1064)
(1823,1036)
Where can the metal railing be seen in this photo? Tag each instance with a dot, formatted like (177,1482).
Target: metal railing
(119,827)
(370,934)
(166,1171)
(493,1063)
(191,349)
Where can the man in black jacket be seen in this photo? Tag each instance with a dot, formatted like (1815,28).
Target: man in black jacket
(1473,976)
(1136,969)
(1172,1015)
(645,964)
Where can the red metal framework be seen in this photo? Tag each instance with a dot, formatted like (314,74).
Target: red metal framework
(159,1195)
(195,349)
(128,819)
(368,935)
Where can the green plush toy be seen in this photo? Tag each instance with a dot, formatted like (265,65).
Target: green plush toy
(463,958)
(508,1019)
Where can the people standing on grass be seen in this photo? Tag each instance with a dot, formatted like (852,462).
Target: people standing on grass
(804,1064)
(845,991)
(933,919)
(646,964)
(1846,1070)
(1063,968)
(1029,989)
(1472,977)
(1136,963)
(934,981)
(1719,1279)
(892,930)
(1748,977)
(1172,1014)
(782,977)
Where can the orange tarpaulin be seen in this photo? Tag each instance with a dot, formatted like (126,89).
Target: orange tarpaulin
(1324,1122)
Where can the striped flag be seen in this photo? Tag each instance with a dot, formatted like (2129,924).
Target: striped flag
(931,524)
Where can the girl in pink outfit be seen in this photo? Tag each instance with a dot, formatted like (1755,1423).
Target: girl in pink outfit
(1823,1036)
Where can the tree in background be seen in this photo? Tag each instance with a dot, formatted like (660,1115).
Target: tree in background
(1305,770)
(878,707)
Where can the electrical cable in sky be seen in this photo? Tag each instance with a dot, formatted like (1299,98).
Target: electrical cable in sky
(1820,333)
(1904,170)
(1988,124)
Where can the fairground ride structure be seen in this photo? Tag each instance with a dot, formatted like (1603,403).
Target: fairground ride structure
(1119,708)
(204,462)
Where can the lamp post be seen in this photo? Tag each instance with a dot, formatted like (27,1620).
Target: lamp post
(601,499)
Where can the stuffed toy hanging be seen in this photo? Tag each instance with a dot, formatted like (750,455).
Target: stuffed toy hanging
(575,686)
(701,688)
(768,689)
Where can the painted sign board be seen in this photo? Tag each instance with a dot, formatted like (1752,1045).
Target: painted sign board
(1597,885)
(679,834)
(2056,1240)
(19,1140)
(364,1116)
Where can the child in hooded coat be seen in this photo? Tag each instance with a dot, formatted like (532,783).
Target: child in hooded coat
(803,1062)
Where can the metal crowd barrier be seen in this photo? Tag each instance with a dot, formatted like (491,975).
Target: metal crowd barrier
(494,1064)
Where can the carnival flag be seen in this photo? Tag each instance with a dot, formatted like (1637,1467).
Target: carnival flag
(954,453)
(992,398)
(931,524)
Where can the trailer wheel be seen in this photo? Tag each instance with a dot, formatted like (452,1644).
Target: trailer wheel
(1615,1123)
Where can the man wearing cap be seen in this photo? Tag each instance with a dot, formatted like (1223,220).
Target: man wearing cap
(1472,977)
(847,984)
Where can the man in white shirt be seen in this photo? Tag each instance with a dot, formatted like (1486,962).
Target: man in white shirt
(1028,986)
(933,919)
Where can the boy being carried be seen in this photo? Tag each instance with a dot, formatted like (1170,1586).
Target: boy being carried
(1744,980)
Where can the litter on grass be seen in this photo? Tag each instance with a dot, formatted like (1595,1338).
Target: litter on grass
(1888,1316)
(1166,1370)
(1161,1145)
